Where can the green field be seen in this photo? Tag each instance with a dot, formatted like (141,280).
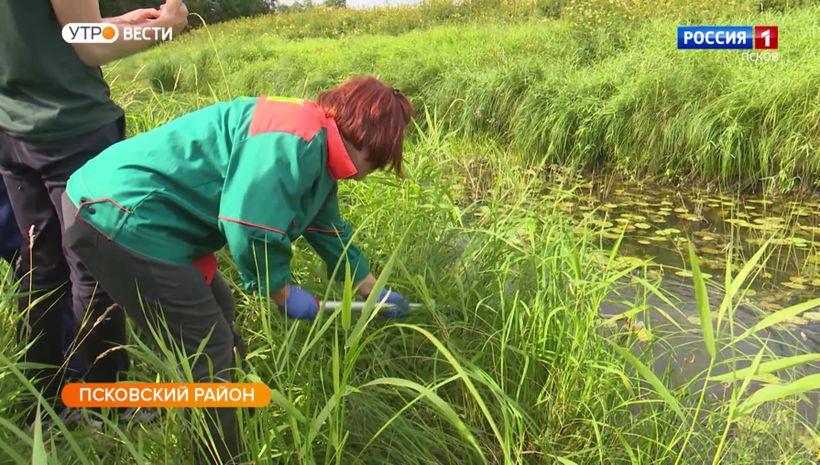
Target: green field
(609,89)
(510,361)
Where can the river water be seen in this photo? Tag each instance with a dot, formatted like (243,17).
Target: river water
(657,223)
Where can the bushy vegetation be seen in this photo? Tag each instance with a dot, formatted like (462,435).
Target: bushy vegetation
(605,88)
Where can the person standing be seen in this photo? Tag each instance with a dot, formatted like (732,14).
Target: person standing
(55,114)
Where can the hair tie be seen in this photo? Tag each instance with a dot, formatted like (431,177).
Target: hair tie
(396,91)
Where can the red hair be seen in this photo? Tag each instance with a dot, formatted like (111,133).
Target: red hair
(370,114)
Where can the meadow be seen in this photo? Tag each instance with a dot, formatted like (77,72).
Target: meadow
(603,86)
(510,360)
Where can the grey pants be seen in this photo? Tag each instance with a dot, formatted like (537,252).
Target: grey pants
(157,294)
(54,280)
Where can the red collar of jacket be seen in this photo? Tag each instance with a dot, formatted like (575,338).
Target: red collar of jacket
(304,119)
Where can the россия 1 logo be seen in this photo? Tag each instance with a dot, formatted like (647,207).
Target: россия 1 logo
(727,37)
(762,38)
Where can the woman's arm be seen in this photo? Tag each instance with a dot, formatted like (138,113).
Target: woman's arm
(173,14)
(365,286)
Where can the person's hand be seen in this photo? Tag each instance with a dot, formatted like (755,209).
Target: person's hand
(138,17)
(300,304)
(400,305)
(174,13)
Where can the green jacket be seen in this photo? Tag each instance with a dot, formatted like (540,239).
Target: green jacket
(254,174)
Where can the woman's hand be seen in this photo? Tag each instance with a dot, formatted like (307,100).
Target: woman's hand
(297,303)
(174,14)
(137,17)
(365,286)
(400,304)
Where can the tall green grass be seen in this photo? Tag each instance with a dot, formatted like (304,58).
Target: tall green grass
(606,90)
(509,361)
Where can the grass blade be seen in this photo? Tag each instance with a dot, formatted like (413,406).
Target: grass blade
(702,300)
(773,392)
(465,378)
(652,379)
(778,317)
(768,367)
(443,407)
(38,448)
(279,399)
(738,281)
(347,298)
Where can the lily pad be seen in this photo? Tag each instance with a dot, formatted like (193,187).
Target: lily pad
(796,320)
(691,217)
(793,241)
(634,217)
(741,223)
(801,212)
(795,286)
(770,306)
(667,232)
(695,319)
(769,220)
(688,274)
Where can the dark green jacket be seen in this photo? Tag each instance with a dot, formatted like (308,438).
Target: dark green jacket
(254,173)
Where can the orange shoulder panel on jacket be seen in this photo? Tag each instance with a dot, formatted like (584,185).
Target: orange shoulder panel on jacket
(280,114)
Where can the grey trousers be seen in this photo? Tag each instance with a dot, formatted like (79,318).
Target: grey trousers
(155,293)
(54,280)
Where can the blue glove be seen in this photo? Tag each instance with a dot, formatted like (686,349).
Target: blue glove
(400,305)
(301,305)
